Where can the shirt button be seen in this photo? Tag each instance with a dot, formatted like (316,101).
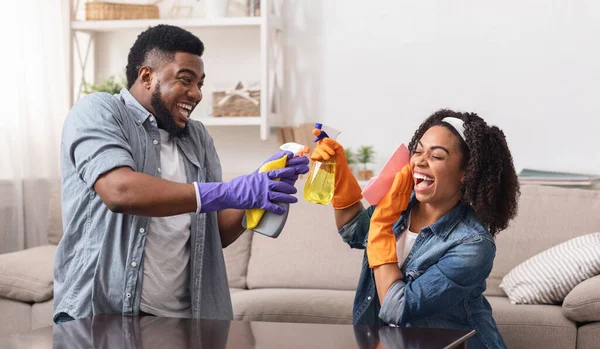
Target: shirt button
(134,264)
(155,142)
(369,298)
(159,170)
(142,230)
(128,295)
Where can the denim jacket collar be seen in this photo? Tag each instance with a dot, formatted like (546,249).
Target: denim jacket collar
(141,114)
(442,227)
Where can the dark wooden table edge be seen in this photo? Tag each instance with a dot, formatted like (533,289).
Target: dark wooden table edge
(461,342)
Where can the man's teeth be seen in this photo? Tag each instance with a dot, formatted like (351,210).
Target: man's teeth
(184,106)
(423,177)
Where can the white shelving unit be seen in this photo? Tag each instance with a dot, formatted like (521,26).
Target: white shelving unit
(270,28)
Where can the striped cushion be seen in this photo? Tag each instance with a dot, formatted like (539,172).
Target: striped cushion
(549,276)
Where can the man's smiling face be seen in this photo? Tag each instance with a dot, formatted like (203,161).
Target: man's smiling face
(177,90)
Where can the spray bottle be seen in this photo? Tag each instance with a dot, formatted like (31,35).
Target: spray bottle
(267,223)
(320,183)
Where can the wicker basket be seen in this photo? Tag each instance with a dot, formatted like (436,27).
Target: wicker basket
(236,105)
(100,10)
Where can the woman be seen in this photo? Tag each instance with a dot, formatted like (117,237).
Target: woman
(430,241)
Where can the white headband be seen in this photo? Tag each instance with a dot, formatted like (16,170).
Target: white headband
(458,125)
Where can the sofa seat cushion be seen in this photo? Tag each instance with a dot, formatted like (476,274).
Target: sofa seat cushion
(294,305)
(28,275)
(588,336)
(16,317)
(309,253)
(41,314)
(235,290)
(533,326)
(582,304)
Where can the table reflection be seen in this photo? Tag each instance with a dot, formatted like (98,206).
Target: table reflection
(149,332)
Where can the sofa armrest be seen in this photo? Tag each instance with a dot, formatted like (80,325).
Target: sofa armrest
(582,304)
(28,275)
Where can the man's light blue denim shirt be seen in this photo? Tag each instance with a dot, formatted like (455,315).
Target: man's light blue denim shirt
(98,263)
(444,277)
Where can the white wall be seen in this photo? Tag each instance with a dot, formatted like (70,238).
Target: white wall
(530,67)
(376,69)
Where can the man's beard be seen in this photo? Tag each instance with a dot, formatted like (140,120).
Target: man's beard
(164,119)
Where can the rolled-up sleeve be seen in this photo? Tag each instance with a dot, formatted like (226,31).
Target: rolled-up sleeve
(355,232)
(393,303)
(93,138)
(458,273)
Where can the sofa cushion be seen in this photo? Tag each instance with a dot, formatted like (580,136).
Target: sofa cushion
(41,314)
(55,228)
(533,326)
(309,253)
(548,277)
(16,317)
(582,304)
(294,305)
(588,336)
(27,275)
(235,290)
(236,260)
(547,216)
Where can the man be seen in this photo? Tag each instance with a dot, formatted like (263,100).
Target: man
(145,213)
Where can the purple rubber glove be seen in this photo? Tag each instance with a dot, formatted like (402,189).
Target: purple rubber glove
(256,190)
(299,164)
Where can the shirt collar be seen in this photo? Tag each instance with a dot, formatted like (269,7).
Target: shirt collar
(442,227)
(140,113)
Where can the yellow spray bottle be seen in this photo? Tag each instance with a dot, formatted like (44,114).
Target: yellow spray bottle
(320,183)
(259,220)
(254,215)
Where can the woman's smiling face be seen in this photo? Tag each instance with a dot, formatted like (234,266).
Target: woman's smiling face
(436,165)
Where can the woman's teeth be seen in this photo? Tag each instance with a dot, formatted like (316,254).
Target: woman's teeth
(423,177)
(423,181)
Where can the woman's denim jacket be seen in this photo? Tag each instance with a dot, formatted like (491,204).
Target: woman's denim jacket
(444,277)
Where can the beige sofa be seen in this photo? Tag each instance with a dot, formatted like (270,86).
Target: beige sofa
(309,275)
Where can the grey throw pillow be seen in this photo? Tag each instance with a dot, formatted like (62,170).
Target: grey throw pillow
(582,304)
(549,276)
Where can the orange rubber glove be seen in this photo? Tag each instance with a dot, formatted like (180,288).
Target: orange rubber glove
(347,192)
(381,244)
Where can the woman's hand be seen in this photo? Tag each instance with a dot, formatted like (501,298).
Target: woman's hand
(381,244)
(347,192)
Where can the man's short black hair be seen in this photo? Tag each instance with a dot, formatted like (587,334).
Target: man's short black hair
(161,41)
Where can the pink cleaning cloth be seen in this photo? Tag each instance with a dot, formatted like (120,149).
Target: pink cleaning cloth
(379,185)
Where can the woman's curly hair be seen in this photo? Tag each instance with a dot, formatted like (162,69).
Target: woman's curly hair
(490,183)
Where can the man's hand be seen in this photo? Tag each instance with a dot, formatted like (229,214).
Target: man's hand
(298,163)
(256,190)
(381,244)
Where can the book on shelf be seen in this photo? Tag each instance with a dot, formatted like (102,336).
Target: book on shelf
(529,176)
